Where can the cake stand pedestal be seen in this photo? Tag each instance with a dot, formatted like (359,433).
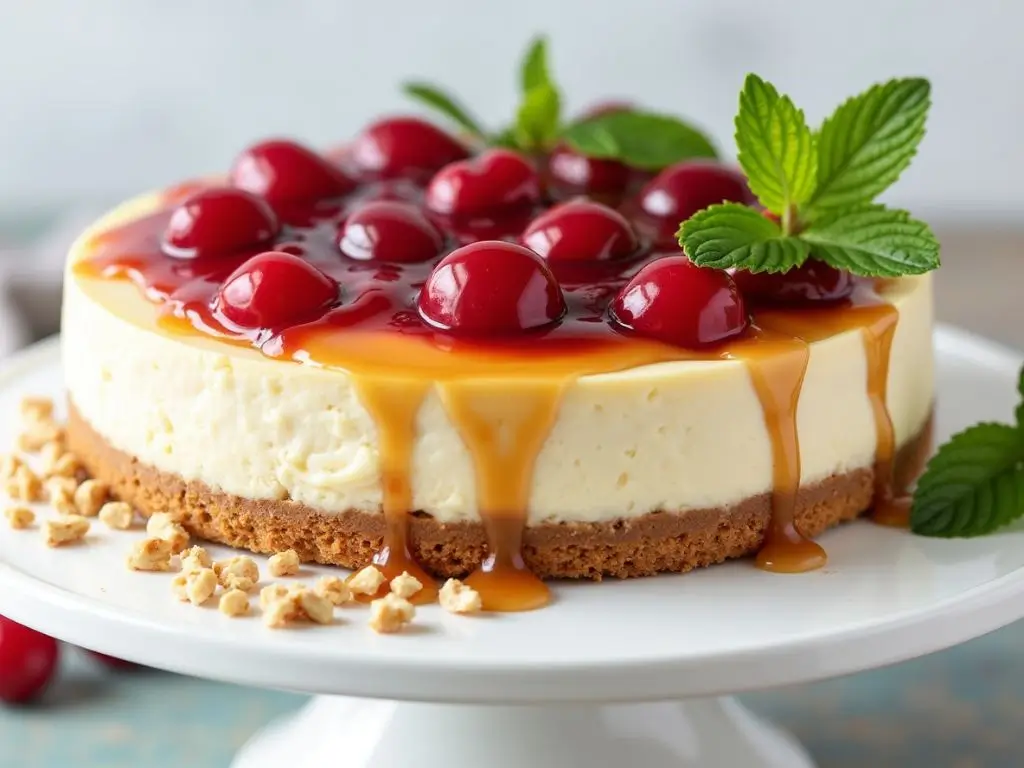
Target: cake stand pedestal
(567,686)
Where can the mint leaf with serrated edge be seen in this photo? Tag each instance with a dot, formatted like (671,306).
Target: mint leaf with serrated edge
(644,140)
(874,241)
(776,148)
(441,102)
(534,70)
(733,235)
(869,141)
(538,117)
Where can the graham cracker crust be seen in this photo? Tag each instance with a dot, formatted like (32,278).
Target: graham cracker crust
(654,543)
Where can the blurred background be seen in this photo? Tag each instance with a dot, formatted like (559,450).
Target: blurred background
(107,98)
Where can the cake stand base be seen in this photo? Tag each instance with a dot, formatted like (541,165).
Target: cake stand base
(365,733)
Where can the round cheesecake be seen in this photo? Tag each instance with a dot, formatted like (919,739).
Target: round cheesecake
(418,417)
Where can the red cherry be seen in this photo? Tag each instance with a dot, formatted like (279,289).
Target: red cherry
(580,230)
(674,301)
(275,289)
(389,231)
(497,178)
(574,173)
(682,189)
(220,220)
(112,662)
(404,147)
(491,288)
(284,171)
(28,660)
(812,282)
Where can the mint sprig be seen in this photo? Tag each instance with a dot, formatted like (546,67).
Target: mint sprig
(441,102)
(644,140)
(723,234)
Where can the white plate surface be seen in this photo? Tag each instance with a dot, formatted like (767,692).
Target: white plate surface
(885,596)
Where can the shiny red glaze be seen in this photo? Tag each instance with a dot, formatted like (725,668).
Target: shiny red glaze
(28,661)
(580,230)
(674,301)
(813,282)
(572,173)
(404,147)
(495,179)
(218,221)
(389,231)
(682,189)
(285,172)
(491,288)
(274,289)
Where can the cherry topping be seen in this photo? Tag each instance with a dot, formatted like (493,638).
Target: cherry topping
(389,231)
(497,178)
(674,301)
(682,189)
(28,660)
(275,289)
(812,282)
(491,288)
(580,230)
(219,220)
(574,173)
(284,171)
(404,147)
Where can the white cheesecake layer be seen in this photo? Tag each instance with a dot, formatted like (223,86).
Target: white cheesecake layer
(673,436)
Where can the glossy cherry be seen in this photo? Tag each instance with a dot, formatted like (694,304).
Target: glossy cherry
(404,147)
(495,179)
(491,288)
(219,221)
(273,290)
(573,173)
(580,230)
(389,231)
(676,302)
(28,661)
(813,282)
(682,189)
(285,172)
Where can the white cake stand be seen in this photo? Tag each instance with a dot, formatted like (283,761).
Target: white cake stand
(568,686)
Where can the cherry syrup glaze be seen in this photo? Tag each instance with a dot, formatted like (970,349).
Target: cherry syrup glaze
(811,283)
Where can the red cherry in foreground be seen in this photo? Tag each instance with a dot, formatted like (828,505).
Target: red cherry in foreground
(275,289)
(404,147)
(682,189)
(497,178)
(219,220)
(571,172)
(389,231)
(284,171)
(28,661)
(580,230)
(491,288)
(676,302)
(812,282)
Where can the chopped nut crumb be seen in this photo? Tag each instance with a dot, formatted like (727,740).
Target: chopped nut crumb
(282,605)
(237,573)
(19,517)
(284,563)
(57,485)
(234,602)
(162,526)
(196,586)
(90,497)
(9,464)
(65,530)
(65,465)
(50,454)
(317,608)
(35,434)
(150,555)
(25,485)
(36,408)
(334,589)
(390,613)
(194,558)
(406,585)
(272,593)
(278,613)
(367,581)
(117,515)
(456,597)
(63,500)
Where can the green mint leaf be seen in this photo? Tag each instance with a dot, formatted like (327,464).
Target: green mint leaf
(776,147)
(643,140)
(1020,406)
(534,71)
(973,485)
(733,235)
(874,241)
(868,142)
(504,138)
(441,102)
(537,118)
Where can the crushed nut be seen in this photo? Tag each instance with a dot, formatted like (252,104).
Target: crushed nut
(237,573)
(272,593)
(53,486)
(406,585)
(456,597)
(367,581)
(36,408)
(65,530)
(282,605)
(50,454)
(278,613)
(25,485)
(117,515)
(284,563)
(35,434)
(390,613)
(90,497)
(334,589)
(150,555)
(63,500)
(234,602)
(19,517)
(195,558)
(9,464)
(65,465)
(196,586)
(318,609)
(162,526)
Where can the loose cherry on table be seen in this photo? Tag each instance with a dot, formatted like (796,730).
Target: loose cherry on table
(389,231)
(219,220)
(285,172)
(275,289)
(404,147)
(813,282)
(573,173)
(28,661)
(491,288)
(495,179)
(682,189)
(674,301)
(580,230)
